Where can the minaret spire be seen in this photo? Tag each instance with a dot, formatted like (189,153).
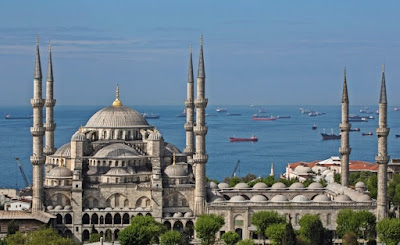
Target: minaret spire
(37,131)
(382,158)
(345,149)
(117,102)
(189,150)
(200,158)
(49,126)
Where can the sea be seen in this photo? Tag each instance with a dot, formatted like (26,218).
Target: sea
(280,142)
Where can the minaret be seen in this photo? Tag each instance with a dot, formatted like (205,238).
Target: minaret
(345,149)
(37,131)
(200,158)
(49,126)
(382,158)
(189,150)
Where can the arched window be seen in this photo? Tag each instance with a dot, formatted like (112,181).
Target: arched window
(68,219)
(85,219)
(117,219)
(108,219)
(101,220)
(184,203)
(126,203)
(116,234)
(167,225)
(190,227)
(95,203)
(297,218)
(95,219)
(166,203)
(59,219)
(125,219)
(175,200)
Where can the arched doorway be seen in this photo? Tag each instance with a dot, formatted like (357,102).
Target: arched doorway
(85,235)
(239,231)
(116,234)
(178,226)
(167,225)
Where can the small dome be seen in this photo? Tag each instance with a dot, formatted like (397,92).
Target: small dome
(95,209)
(237,199)
(212,185)
(64,151)
(297,185)
(188,215)
(78,136)
(155,135)
(177,215)
(300,198)
(50,207)
(258,198)
(117,150)
(260,185)
(117,172)
(116,117)
(342,198)
(360,185)
(242,186)
(218,199)
(176,170)
(321,198)
(363,198)
(279,198)
(108,209)
(58,207)
(302,169)
(315,185)
(60,172)
(223,185)
(278,185)
(68,207)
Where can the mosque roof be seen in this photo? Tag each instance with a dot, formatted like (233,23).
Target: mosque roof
(116,150)
(279,198)
(321,198)
(116,117)
(258,198)
(237,199)
(260,185)
(117,172)
(300,198)
(64,150)
(60,172)
(278,185)
(297,185)
(315,185)
(242,186)
(176,170)
(223,185)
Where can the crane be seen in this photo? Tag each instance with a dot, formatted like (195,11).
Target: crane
(22,171)
(236,167)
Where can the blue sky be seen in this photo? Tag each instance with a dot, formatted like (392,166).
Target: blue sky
(256,52)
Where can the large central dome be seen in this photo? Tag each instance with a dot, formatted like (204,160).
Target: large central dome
(116,117)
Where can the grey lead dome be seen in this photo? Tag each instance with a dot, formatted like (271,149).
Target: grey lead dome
(116,117)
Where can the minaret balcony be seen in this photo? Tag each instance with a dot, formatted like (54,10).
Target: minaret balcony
(382,159)
(200,102)
(37,131)
(37,103)
(200,130)
(382,132)
(188,126)
(49,126)
(200,158)
(345,127)
(49,150)
(188,151)
(50,102)
(344,150)
(37,160)
(189,103)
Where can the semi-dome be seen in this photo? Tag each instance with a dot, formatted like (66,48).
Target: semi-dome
(343,198)
(300,198)
(278,185)
(321,198)
(258,198)
(279,198)
(117,172)
(188,215)
(116,150)
(362,198)
(116,117)
(177,215)
(223,185)
(64,151)
(315,185)
(60,172)
(176,170)
(297,185)
(260,185)
(242,186)
(237,199)
(78,136)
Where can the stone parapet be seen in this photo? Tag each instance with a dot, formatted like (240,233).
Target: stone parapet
(382,159)
(49,126)
(382,132)
(50,102)
(200,102)
(200,158)
(37,131)
(37,103)
(344,150)
(188,126)
(189,103)
(49,150)
(37,160)
(188,151)
(200,130)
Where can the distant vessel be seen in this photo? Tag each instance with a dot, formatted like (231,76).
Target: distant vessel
(355,129)
(397,135)
(220,109)
(396,109)
(150,115)
(304,111)
(183,114)
(283,117)
(330,136)
(253,138)
(233,114)
(263,118)
(8,116)
(365,134)
(314,127)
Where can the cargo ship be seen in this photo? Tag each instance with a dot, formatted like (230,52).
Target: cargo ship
(253,138)
(8,116)
(330,136)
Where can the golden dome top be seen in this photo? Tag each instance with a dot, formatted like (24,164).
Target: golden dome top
(117,102)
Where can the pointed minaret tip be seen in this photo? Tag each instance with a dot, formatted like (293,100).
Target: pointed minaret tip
(201,72)
(50,66)
(117,102)
(190,72)
(345,95)
(37,73)
(382,98)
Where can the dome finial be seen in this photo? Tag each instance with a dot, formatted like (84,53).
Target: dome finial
(117,102)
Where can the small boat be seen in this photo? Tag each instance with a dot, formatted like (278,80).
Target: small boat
(8,116)
(365,134)
(150,115)
(330,136)
(280,117)
(355,129)
(183,114)
(360,119)
(312,114)
(253,138)
(397,135)
(220,109)
(233,114)
(263,118)
(261,110)
(304,111)
(314,127)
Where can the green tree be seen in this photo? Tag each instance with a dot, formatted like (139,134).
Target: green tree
(141,231)
(16,239)
(360,222)
(276,233)
(389,231)
(12,227)
(270,180)
(207,225)
(311,229)
(372,185)
(94,237)
(171,238)
(337,178)
(186,234)
(108,237)
(350,238)
(234,181)
(230,238)
(394,192)
(43,236)
(246,242)
(263,219)
(290,236)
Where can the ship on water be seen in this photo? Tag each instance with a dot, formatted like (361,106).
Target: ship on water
(330,136)
(8,116)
